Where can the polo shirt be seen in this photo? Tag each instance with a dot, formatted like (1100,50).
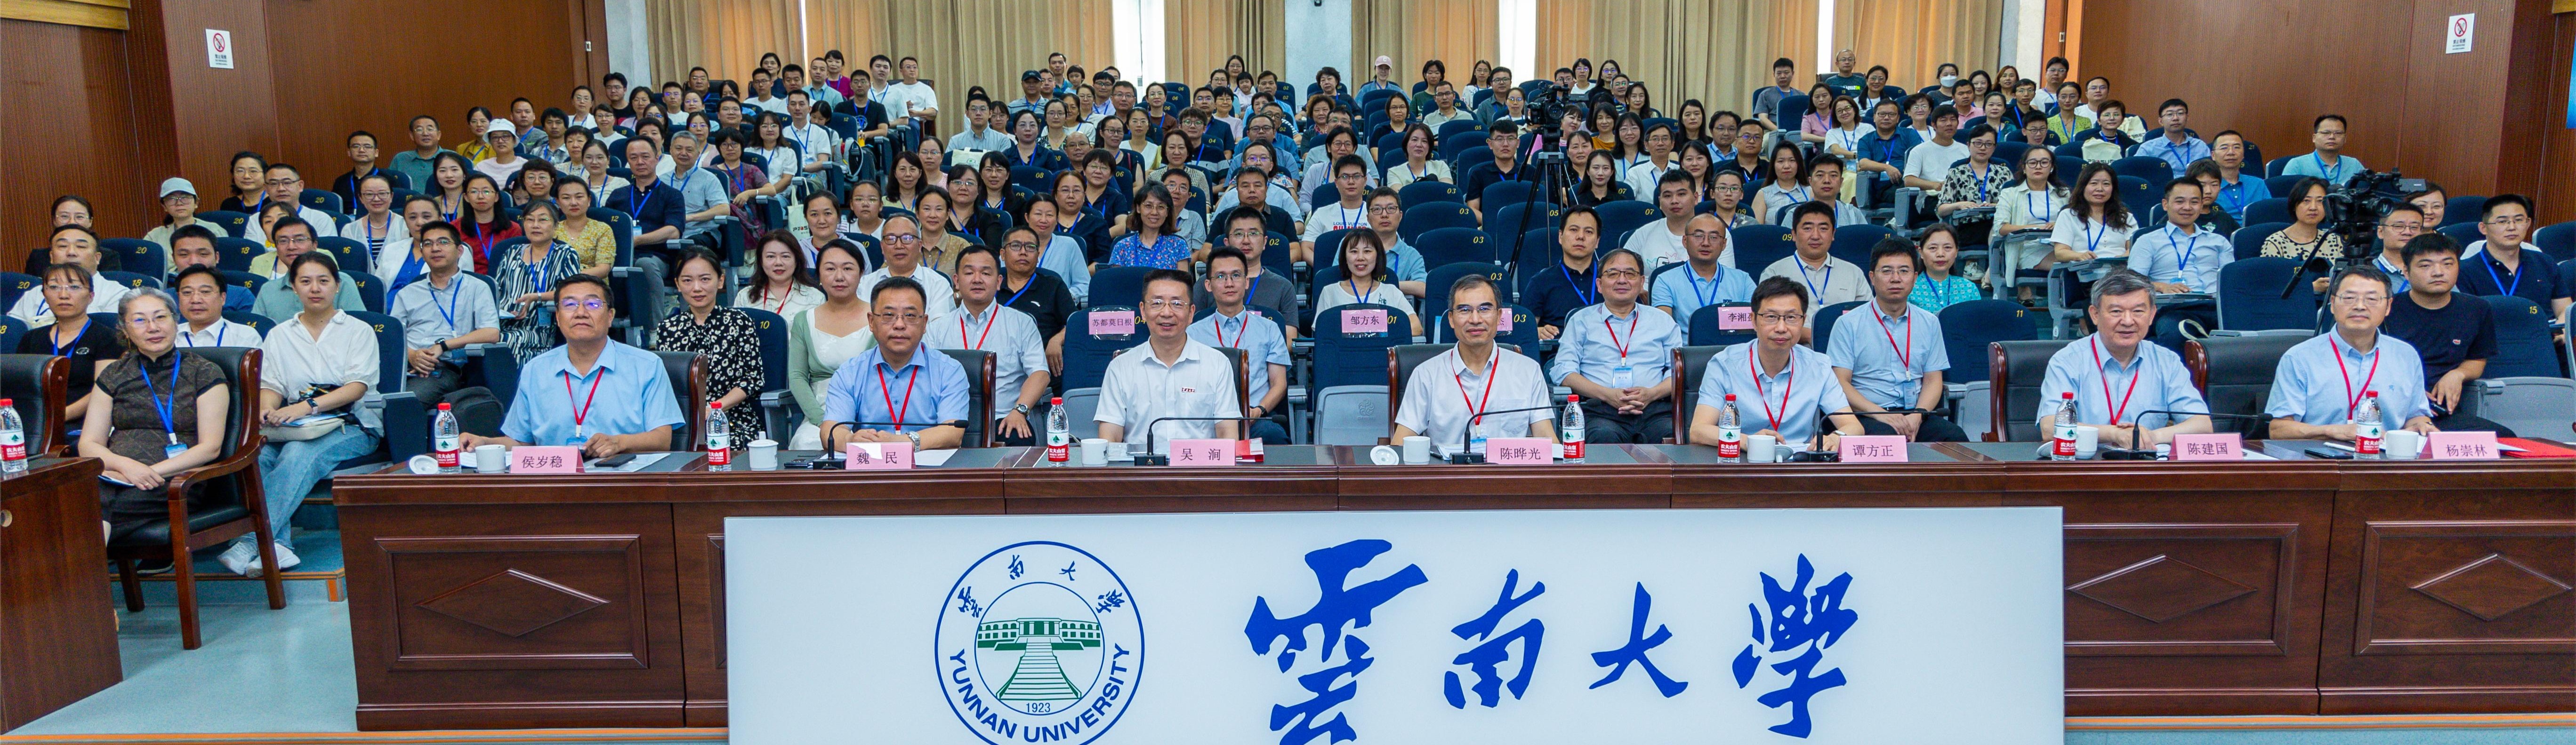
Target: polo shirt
(866,389)
(816,142)
(292,360)
(1659,245)
(416,168)
(1045,299)
(2154,379)
(2247,190)
(1138,388)
(1684,291)
(1259,338)
(1888,367)
(629,380)
(901,98)
(2313,164)
(1596,343)
(1556,291)
(32,308)
(1443,392)
(221,333)
(659,208)
(2089,234)
(1931,161)
(1839,282)
(1009,334)
(700,190)
(1643,176)
(1787,402)
(2322,380)
(1487,174)
(430,313)
(2534,277)
(942,296)
(2461,330)
(2179,156)
(2167,254)
(1891,149)
(277,299)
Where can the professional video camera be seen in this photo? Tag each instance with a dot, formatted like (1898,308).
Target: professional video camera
(2356,209)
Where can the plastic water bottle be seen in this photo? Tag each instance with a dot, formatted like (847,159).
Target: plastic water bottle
(446,439)
(2061,443)
(1730,435)
(1059,433)
(2366,426)
(719,438)
(1570,427)
(13,439)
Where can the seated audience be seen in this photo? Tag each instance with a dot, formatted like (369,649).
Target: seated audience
(1233,324)
(2104,371)
(443,312)
(2452,332)
(152,413)
(641,411)
(1905,370)
(1020,368)
(2307,404)
(1623,372)
(317,362)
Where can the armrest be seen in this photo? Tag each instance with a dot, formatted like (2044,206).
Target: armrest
(177,484)
(406,425)
(778,409)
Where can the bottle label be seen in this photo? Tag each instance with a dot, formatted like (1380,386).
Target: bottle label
(2365,438)
(1730,442)
(719,450)
(1574,445)
(446,451)
(1058,446)
(13,451)
(2063,444)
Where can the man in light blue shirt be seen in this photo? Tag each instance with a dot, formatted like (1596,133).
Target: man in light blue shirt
(1781,387)
(1617,355)
(1238,326)
(2115,378)
(560,389)
(1063,253)
(2174,144)
(1703,280)
(1889,354)
(1385,215)
(863,403)
(2180,257)
(702,193)
(2321,383)
(979,133)
(2238,187)
(2327,162)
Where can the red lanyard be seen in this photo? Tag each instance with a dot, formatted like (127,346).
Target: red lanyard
(1477,411)
(584,412)
(1614,334)
(888,390)
(1752,365)
(1905,351)
(2352,397)
(2106,382)
(961,339)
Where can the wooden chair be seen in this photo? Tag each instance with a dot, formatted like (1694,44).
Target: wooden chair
(39,385)
(233,503)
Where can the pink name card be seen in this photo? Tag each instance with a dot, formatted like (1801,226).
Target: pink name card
(2221,446)
(1520,451)
(1873,448)
(545,459)
(1503,324)
(1204,453)
(877,456)
(1735,317)
(1364,321)
(2464,446)
(1112,322)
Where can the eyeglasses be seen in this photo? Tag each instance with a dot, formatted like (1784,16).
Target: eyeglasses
(295,240)
(1621,274)
(2404,227)
(1707,235)
(1236,276)
(1722,189)
(576,303)
(2509,221)
(1167,304)
(51,287)
(907,317)
(1893,271)
(1479,309)
(1792,319)
(1020,246)
(904,240)
(284,181)
(439,242)
(1246,234)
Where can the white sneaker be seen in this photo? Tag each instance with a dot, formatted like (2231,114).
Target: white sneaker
(286,558)
(242,559)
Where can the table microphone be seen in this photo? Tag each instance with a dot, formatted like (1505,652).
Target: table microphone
(1467,434)
(2261,422)
(1149,458)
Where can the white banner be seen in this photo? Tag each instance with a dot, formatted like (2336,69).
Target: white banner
(1740,626)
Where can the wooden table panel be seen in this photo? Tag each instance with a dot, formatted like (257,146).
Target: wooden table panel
(57,623)
(1613,477)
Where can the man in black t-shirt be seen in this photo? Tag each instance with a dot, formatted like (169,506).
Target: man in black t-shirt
(2453,332)
(1037,292)
(1505,140)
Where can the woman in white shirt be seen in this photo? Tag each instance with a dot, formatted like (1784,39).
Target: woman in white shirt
(395,263)
(783,286)
(321,361)
(781,156)
(1365,279)
(2031,203)
(1418,165)
(594,173)
(2095,225)
(1844,138)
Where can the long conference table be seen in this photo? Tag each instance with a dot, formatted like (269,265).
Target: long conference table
(2302,586)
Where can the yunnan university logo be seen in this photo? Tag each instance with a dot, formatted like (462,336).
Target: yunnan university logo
(1039,642)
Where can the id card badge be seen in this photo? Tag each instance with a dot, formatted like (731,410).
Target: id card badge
(1623,376)
(1476,433)
(173,449)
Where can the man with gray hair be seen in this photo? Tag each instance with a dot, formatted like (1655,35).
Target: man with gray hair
(2115,377)
(702,193)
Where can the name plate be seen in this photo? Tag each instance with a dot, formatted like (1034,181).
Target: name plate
(1112,322)
(1203,452)
(1520,451)
(1363,321)
(1503,322)
(1735,317)
(545,459)
(1873,448)
(877,456)
(2221,446)
(2464,446)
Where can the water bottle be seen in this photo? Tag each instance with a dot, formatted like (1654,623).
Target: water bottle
(446,439)
(1570,427)
(2061,443)
(1059,433)
(1730,436)
(13,439)
(2366,426)
(719,438)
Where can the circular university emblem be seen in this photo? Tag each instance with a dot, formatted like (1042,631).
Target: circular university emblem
(1039,642)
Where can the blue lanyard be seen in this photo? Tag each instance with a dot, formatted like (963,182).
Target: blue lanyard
(2040,212)
(1985,179)
(220,328)
(2239,188)
(2093,238)
(1024,290)
(1705,298)
(1887,150)
(2182,250)
(2330,173)
(2501,287)
(1802,194)
(58,348)
(1578,288)
(537,280)
(639,194)
(164,407)
(1812,291)
(448,312)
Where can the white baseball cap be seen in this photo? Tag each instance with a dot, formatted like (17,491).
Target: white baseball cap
(176,185)
(499,126)
(1384,61)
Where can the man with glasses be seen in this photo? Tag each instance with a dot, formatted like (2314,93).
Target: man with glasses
(1782,389)
(2397,229)
(984,325)
(560,390)
(1662,242)
(1617,355)
(1386,218)
(200,292)
(1236,325)
(1350,180)
(442,313)
(2180,257)
(194,245)
(1827,280)
(900,237)
(2328,161)
(362,159)
(2320,384)
(881,394)
(1505,141)
(2503,265)
(276,299)
(1710,278)
(1170,375)
(2116,378)
(2175,145)
(1900,367)
(2240,189)
(1447,396)
(286,186)
(1881,151)
(1244,232)
(2454,332)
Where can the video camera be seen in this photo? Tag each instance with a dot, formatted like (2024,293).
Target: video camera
(2355,210)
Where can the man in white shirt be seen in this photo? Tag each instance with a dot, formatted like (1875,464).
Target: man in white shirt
(911,99)
(75,245)
(286,185)
(1169,375)
(1350,179)
(900,236)
(1927,166)
(1661,242)
(1264,345)
(441,313)
(200,292)
(1642,177)
(979,133)
(1019,356)
(817,144)
(1827,279)
(1447,396)
(760,94)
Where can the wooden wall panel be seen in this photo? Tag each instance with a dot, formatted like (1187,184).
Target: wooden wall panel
(215,113)
(2557,142)
(69,123)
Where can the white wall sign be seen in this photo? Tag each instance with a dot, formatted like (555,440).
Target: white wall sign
(1746,626)
(219,49)
(2458,32)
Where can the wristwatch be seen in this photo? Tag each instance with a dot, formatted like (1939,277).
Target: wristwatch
(916,439)
(1023,409)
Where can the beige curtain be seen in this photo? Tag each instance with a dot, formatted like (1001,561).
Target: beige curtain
(725,36)
(1913,37)
(1199,34)
(967,43)
(1456,32)
(847,25)
(1717,51)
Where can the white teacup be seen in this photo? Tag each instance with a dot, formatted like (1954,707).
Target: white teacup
(1417,449)
(2088,440)
(1761,448)
(2402,444)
